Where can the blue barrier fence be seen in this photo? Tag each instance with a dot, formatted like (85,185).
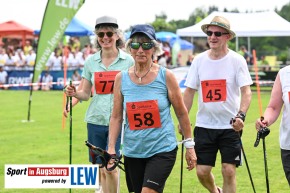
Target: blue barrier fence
(25,77)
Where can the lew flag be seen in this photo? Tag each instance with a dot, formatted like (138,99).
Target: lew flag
(57,17)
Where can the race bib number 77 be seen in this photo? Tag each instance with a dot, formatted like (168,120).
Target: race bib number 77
(214,90)
(104,81)
(143,114)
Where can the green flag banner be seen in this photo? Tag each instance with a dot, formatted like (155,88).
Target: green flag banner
(57,16)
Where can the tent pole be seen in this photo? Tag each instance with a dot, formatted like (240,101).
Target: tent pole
(237,44)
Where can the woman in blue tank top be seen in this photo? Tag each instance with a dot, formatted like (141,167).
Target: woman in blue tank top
(145,93)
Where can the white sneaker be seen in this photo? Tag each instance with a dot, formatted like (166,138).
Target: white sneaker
(220,190)
(99,190)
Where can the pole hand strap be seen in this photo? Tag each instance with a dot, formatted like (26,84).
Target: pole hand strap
(188,143)
(105,157)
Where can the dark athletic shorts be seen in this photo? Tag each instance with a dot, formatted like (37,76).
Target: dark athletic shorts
(149,172)
(209,141)
(285,156)
(98,136)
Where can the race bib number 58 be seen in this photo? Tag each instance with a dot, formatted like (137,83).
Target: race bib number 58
(214,90)
(143,115)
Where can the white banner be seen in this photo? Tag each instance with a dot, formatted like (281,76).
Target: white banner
(51,176)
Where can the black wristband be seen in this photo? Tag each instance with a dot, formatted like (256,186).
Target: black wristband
(241,115)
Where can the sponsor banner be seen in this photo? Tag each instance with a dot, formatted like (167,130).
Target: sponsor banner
(23,78)
(51,176)
(57,16)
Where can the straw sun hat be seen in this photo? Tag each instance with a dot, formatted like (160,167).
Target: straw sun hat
(220,22)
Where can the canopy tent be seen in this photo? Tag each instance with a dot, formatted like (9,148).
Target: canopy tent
(75,28)
(244,25)
(12,29)
(166,36)
(259,24)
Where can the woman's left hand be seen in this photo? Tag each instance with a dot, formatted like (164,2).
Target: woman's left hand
(191,158)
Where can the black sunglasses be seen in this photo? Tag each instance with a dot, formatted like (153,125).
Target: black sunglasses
(144,45)
(102,34)
(216,33)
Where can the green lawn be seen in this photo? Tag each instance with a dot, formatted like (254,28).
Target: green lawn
(43,141)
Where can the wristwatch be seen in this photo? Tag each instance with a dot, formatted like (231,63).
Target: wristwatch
(241,115)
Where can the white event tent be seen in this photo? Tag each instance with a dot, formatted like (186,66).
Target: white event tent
(258,24)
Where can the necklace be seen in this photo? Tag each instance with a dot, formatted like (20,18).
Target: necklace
(140,78)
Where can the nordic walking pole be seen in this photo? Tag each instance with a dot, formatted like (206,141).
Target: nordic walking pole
(181,166)
(121,146)
(70,129)
(248,168)
(261,114)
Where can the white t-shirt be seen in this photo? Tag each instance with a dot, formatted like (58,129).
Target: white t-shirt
(285,121)
(3,77)
(218,84)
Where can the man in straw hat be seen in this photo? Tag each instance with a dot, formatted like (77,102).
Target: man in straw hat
(222,80)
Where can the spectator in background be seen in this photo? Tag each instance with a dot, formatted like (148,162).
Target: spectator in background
(264,64)
(3,56)
(46,81)
(3,77)
(27,47)
(162,60)
(189,59)
(30,60)
(247,55)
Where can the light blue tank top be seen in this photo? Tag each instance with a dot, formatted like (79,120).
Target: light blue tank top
(148,142)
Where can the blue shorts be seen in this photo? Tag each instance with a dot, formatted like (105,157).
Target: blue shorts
(98,135)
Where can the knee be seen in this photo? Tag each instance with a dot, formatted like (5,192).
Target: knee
(202,174)
(229,171)
(110,173)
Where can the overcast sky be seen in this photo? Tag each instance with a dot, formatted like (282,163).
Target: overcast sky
(128,12)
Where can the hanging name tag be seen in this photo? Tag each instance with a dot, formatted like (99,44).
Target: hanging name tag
(143,115)
(214,90)
(104,81)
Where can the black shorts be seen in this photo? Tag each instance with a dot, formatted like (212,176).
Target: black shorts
(285,156)
(149,172)
(209,141)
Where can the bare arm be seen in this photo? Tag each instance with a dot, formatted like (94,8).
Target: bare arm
(117,115)
(188,97)
(274,107)
(246,97)
(175,97)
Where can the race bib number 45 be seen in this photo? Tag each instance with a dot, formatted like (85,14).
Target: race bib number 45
(143,115)
(104,81)
(214,90)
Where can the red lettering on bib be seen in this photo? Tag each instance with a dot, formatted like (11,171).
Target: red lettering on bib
(104,81)
(143,115)
(214,90)
(289,96)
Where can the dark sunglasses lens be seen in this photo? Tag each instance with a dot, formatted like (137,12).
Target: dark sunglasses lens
(216,33)
(147,46)
(209,33)
(135,45)
(101,34)
(109,34)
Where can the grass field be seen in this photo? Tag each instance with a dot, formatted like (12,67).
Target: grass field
(43,141)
